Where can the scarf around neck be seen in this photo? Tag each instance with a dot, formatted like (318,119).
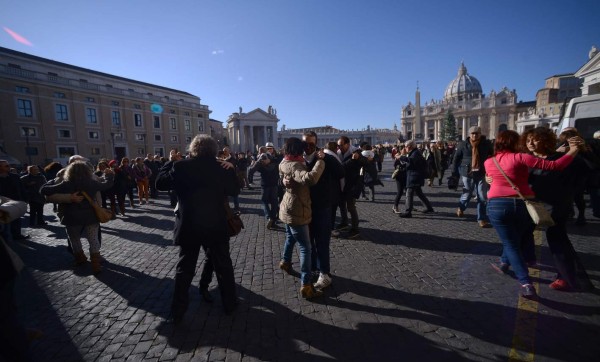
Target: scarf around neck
(475,154)
(298,158)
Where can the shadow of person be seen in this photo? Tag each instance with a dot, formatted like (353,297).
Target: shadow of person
(140,290)
(268,330)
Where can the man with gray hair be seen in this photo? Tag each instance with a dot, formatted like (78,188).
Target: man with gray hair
(202,186)
(468,164)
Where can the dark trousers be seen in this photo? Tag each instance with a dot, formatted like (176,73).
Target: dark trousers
(400,186)
(36,213)
(15,227)
(348,205)
(152,184)
(208,269)
(410,194)
(320,238)
(565,257)
(218,255)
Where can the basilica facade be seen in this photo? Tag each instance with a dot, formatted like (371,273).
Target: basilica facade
(465,99)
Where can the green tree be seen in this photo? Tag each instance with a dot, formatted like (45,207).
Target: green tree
(448,131)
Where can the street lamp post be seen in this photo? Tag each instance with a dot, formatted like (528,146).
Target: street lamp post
(112,141)
(27,150)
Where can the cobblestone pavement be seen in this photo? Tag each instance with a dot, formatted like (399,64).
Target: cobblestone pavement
(407,289)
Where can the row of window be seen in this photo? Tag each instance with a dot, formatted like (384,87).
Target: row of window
(68,151)
(95,135)
(25,110)
(21,89)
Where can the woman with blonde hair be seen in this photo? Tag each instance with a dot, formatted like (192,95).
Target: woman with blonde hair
(79,216)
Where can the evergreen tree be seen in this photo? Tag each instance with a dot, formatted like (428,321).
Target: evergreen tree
(448,131)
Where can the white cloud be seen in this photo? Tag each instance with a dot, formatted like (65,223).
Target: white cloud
(240,78)
(217,51)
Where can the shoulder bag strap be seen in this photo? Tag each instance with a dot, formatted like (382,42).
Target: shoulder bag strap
(508,178)
(87,197)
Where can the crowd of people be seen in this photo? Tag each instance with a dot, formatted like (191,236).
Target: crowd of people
(305,184)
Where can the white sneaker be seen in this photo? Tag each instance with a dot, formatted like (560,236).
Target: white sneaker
(323,282)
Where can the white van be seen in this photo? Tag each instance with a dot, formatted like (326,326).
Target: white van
(582,113)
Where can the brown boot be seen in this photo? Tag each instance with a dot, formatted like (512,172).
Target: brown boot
(80,258)
(285,266)
(308,291)
(95,259)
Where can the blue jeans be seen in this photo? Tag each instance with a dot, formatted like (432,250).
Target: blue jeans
(478,185)
(511,221)
(269,201)
(320,238)
(298,234)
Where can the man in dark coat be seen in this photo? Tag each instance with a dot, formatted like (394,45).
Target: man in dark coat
(468,163)
(322,197)
(268,167)
(202,186)
(416,172)
(352,161)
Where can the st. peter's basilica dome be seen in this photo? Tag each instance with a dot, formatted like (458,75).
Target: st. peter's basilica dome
(464,86)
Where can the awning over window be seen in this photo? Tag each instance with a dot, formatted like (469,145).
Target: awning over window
(13,161)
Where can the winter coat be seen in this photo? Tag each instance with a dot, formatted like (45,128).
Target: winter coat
(326,192)
(295,207)
(81,213)
(32,184)
(461,163)
(140,173)
(353,181)
(416,168)
(269,176)
(202,186)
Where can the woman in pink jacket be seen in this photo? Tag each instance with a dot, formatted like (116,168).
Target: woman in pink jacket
(505,209)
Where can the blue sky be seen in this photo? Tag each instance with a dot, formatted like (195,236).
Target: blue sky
(344,63)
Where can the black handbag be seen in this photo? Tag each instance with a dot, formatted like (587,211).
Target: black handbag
(234,221)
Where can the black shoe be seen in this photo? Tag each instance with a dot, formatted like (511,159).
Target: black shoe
(528,291)
(428,211)
(581,221)
(20,237)
(353,233)
(206,296)
(342,226)
(406,215)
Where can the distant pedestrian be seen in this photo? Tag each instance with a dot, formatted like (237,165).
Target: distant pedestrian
(468,163)
(142,176)
(416,172)
(32,182)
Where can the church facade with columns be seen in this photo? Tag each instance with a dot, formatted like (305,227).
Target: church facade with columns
(465,99)
(248,131)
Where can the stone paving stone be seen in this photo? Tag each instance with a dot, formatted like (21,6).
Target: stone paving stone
(423,286)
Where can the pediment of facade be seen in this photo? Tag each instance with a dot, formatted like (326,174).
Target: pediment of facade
(592,66)
(258,115)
